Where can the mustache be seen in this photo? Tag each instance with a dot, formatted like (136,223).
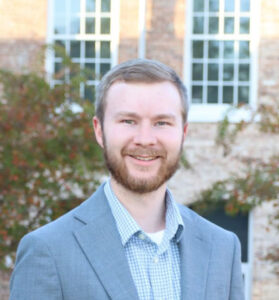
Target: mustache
(144,152)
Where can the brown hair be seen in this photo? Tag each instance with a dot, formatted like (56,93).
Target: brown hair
(143,71)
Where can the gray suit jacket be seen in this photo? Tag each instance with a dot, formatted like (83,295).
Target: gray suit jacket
(80,257)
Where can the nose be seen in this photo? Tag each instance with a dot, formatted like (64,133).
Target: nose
(145,135)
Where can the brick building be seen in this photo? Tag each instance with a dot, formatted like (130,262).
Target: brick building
(227,52)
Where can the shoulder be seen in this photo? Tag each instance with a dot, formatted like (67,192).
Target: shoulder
(224,244)
(63,227)
(204,227)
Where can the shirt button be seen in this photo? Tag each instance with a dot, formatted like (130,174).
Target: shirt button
(141,236)
(156,259)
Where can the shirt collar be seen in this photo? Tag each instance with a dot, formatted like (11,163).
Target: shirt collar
(125,223)
(174,222)
(127,226)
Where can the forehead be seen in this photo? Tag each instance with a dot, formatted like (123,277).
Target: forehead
(162,97)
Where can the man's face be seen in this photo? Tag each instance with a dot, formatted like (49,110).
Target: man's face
(142,134)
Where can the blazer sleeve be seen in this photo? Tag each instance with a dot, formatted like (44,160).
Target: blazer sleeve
(236,287)
(35,275)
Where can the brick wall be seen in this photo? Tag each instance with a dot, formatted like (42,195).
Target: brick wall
(269,52)
(209,165)
(23,25)
(165,32)
(129,30)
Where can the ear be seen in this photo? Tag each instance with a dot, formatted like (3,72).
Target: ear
(185,129)
(98,131)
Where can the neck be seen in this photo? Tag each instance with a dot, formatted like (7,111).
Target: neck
(147,209)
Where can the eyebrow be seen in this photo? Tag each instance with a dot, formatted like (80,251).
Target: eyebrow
(165,116)
(127,114)
(135,115)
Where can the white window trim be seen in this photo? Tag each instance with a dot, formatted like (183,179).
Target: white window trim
(247,268)
(113,37)
(142,29)
(205,113)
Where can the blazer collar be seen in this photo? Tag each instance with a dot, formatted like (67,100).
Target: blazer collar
(101,243)
(195,249)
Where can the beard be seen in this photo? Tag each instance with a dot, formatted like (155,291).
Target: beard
(122,175)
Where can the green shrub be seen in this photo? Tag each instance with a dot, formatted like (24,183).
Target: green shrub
(49,159)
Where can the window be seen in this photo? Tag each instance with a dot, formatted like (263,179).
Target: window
(221,52)
(87,30)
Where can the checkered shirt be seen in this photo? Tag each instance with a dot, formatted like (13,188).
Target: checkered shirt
(155,268)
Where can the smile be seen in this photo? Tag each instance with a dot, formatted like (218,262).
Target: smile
(145,158)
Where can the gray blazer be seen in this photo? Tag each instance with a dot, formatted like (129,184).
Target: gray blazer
(80,257)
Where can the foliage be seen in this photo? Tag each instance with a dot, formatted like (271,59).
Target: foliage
(266,118)
(269,117)
(259,184)
(241,194)
(184,162)
(49,160)
(227,134)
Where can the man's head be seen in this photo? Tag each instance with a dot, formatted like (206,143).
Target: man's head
(141,123)
(139,71)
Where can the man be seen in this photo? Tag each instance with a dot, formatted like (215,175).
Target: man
(130,240)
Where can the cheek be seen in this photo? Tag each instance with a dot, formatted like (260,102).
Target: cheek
(116,138)
(172,138)
(174,147)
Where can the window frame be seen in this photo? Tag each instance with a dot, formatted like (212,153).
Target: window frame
(216,112)
(112,37)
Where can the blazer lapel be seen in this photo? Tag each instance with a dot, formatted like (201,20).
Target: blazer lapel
(101,243)
(195,249)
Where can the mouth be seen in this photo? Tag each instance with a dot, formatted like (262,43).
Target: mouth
(145,158)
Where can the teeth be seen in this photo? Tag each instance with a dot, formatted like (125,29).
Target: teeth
(146,158)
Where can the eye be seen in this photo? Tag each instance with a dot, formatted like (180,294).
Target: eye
(130,122)
(162,123)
